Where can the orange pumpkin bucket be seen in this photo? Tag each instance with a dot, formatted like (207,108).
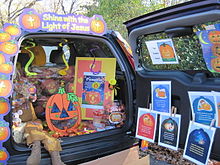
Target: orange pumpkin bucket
(63,112)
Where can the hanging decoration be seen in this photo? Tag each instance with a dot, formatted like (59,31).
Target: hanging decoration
(31,21)
(91,86)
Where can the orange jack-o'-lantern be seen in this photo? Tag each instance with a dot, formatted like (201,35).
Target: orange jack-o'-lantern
(97,25)
(4,36)
(5,88)
(216,64)
(93,97)
(31,20)
(166,52)
(63,112)
(2,59)
(13,30)
(3,154)
(4,106)
(9,47)
(214,36)
(216,49)
(147,120)
(4,131)
(6,68)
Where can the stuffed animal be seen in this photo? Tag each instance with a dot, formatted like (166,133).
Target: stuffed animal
(23,113)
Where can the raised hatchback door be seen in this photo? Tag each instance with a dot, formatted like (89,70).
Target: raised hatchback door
(179,46)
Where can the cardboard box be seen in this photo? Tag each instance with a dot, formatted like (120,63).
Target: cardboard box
(126,157)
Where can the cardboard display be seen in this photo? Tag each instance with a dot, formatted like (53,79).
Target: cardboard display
(198,143)
(92,88)
(161,96)
(146,124)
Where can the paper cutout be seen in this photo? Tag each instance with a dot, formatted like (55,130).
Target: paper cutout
(8,49)
(169,130)
(93,90)
(202,106)
(198,143)
(146,124)
(162,51)
(4,155)
(31,21)
(210,42)
(104,65)
(63,112)
(217,105)
(161,96)
(4,106)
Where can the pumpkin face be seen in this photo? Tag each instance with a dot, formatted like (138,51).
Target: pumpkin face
(13,30)
(216,64)
(62,115)
(4,106)
(97,25)
(2,59)
(147,120)
(216,49)
(214,36)
(3,155)
(4,36)
(9,48)
(5,88)
(167,52)
(31,21)
(6,68)
(93,97)
(4,133)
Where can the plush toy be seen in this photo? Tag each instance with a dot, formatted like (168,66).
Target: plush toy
(23,96)
(18,133)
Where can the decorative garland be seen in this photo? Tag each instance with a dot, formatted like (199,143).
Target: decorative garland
(8,49)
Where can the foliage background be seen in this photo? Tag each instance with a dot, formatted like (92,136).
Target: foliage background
(115,12)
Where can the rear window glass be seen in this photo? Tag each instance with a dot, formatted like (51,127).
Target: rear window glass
(190,50)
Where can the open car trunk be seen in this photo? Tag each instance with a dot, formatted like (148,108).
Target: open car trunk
(66,70)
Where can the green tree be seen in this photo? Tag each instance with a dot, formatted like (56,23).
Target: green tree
(116,12)
(11,9)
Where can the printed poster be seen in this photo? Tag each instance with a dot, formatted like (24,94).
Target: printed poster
(209,40)
(93,90)
(146,124)
(202,106)
(217,105)
(199,143)
(101,68)
(161,96)
(169,131)
(162,51)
